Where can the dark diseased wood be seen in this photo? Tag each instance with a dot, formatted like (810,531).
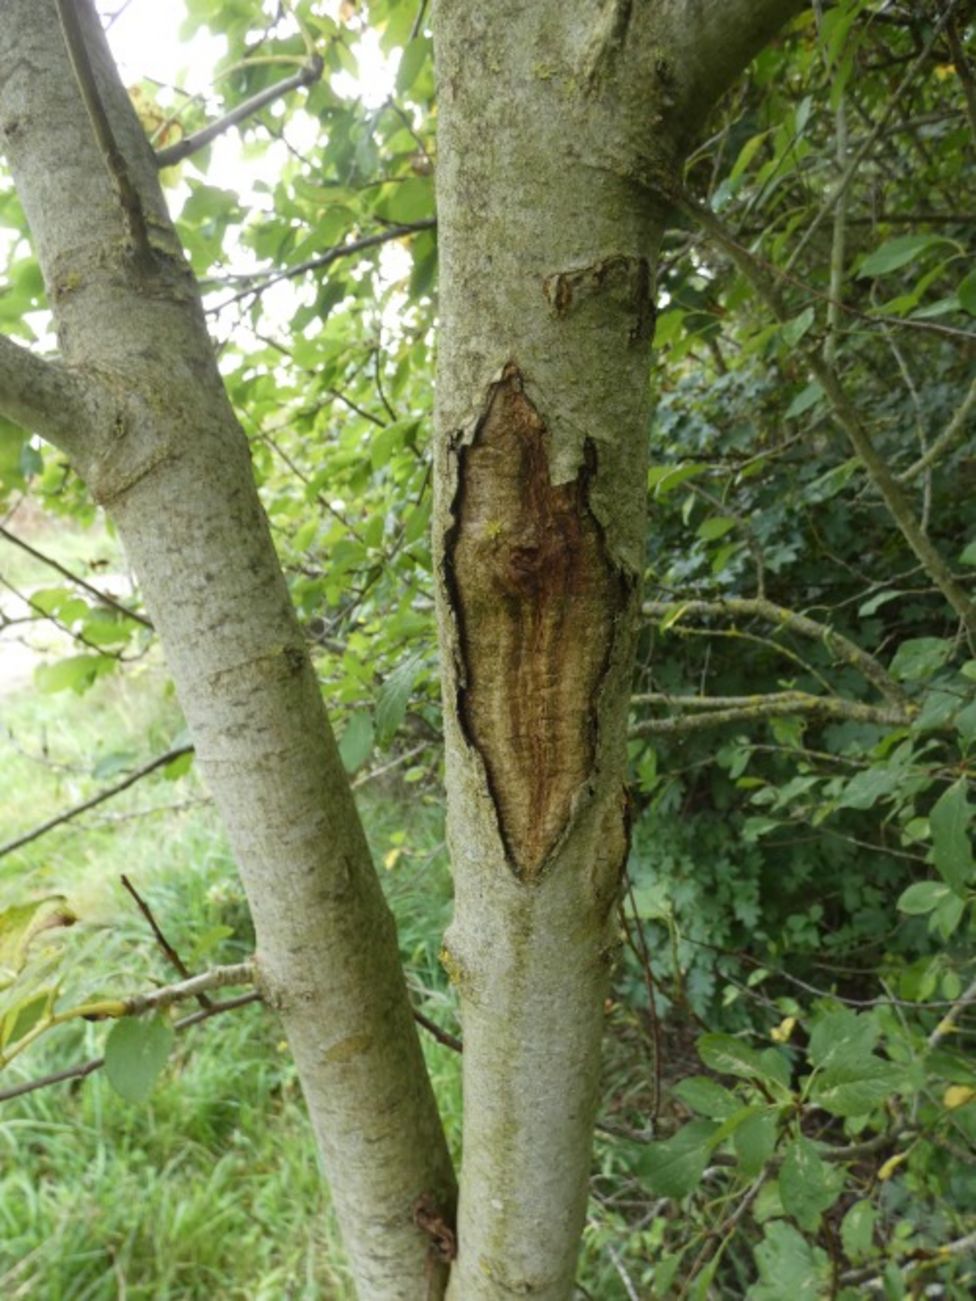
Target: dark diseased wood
(535,595)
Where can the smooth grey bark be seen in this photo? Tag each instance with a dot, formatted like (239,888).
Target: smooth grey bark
(153,434)
(558,123)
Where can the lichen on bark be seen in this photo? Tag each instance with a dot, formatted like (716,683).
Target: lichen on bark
(527,567)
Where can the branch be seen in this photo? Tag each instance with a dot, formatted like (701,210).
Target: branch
(839,645)
(952,434)
(171,955)
(752,708)
(102,597)
(328,257)
(118,168)
(948,1023)
(82,1069)
(137,775)
(854,166)
(763,279)
(709,42)
(44,397)
(308,75)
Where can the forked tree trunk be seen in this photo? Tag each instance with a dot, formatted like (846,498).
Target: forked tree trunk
(558,121)
(142,410)
(559,124)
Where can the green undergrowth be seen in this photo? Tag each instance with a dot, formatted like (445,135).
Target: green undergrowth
(212,1188)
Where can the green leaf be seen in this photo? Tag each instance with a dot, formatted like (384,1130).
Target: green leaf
(789,1266)
(662,479)
(135,1053)
(858,1089)
(807,1185)
(393,698)
(716,527)
(76,673)
(967,294)
(357,740)
(921,897)
(22,1017)
(755,1139)
(729,1056)
(842,1038)
(920,657)
(949,820)
(793,331)
(898,252)
(804,400)
(866,787)
(857,1231)
(20,924)
(674,1167)
(707,1097)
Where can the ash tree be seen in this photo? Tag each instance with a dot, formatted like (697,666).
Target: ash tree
(563,131)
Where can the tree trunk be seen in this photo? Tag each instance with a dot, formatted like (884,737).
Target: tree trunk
(154,436)
(559,124)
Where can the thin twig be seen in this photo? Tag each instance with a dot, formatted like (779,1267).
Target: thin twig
(854,166)
(326,259)
(103,597)
(171,955)
(190,144)
(115,162)
(136,775)
(96,1063)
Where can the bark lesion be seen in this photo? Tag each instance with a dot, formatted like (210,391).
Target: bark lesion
(535,595)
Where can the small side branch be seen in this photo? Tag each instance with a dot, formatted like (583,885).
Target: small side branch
(136,775)
(781,617)
(763,278)
(103,598)
(79,1071)
(172,956)
(739,709)
(191,144)
(326,259)
(115,163)
(946,441)
(44,397)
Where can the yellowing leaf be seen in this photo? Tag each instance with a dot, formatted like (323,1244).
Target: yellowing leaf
(891,1165)
(957,1095)
(391,858)
(781,1033)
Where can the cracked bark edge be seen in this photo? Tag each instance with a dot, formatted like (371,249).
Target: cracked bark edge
(535,596)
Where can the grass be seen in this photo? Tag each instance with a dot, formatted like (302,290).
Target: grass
(211,1189)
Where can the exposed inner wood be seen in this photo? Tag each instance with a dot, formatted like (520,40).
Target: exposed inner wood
(535,596)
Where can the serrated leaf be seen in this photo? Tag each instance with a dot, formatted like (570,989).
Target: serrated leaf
(674,1167)
(865,788)
(789,1266)
(807,1185)
(793,331)
(949,821)
(755,1139)
(856,1090)
(357,741)
(707,1097)
(716,527)
(20,924)
(857,1231)
(135,1053)
(897,252)
(920,657)
(729,1056)
(843,1038)
(393,698)
(921,897)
